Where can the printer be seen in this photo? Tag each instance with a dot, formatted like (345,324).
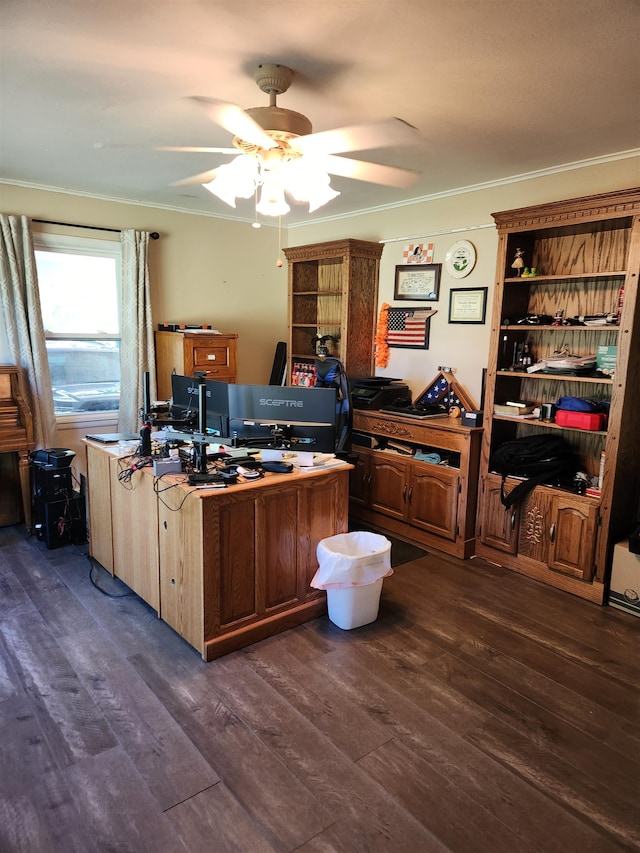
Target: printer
(373,392)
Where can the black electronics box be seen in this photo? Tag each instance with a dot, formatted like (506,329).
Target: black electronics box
(472,419)
(374,392)
(49,483)
(62,522)
(182,327)
(57,457)
(362,439)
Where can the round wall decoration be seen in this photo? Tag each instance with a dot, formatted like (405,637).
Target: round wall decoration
(460,259)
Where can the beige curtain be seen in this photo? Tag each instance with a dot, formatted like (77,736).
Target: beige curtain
(20,299)
(137,350)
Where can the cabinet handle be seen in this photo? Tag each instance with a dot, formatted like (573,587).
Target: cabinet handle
(404,493)
(410,493)
(513,519)
(552,532)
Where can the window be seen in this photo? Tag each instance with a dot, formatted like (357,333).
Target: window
(79,281)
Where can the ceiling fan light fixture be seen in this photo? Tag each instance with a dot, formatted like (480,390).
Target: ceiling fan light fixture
(307,181)
(272,201)
(321,196)
(237,179)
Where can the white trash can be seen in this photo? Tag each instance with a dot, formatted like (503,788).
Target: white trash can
(351,569)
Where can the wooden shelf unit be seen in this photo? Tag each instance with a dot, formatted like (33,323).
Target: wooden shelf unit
(333,290)
(584,250)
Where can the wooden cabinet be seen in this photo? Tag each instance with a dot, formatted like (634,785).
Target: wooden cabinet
(184,353)
(123,523)
(236,568)
(419,493)
(551,531)
(586,253)
(333,293)
(432,504)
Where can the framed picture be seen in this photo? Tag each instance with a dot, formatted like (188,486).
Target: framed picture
(418,282)
(468,305)
(409,327)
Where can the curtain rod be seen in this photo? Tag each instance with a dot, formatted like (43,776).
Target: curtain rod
(437,233)
(154,234)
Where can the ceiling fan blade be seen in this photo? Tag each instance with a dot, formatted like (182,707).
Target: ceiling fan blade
(202,178)
(359,137)
(389,176)
(234,119)
(195,149)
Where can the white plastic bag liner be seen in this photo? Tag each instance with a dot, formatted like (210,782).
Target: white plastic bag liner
(352,559)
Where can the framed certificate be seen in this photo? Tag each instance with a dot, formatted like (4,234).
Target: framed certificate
(418,282)
(467,304)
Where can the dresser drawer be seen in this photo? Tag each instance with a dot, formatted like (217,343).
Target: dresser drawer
(209,356)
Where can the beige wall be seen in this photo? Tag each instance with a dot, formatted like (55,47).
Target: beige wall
(205,269)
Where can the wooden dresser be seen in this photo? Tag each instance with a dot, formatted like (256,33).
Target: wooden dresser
(16,441)
(185,352)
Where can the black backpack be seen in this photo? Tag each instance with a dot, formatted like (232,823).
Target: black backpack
(542,458)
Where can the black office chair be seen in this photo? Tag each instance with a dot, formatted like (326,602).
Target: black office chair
(330,373)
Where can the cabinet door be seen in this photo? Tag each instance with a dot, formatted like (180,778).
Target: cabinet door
(433,500)
(498,525)
(323,510)
(100,514)
(276,548)
(572,536)
(359,479)
(134,510)
(389,486)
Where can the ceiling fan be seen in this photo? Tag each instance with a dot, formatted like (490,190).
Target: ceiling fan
(278,153)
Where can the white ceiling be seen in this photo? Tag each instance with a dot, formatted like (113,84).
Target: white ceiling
(498,88)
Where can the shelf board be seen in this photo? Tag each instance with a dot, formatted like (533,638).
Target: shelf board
(317,293)
(547,424)
(529,327)
(558,377)
(554,278)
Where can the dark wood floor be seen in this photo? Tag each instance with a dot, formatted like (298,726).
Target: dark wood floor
(480,712)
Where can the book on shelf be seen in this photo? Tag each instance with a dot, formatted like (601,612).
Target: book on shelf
(515,408)
(521,404)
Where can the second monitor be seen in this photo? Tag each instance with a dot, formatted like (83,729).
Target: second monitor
(301,419)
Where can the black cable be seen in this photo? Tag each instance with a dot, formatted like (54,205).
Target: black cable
(92,565)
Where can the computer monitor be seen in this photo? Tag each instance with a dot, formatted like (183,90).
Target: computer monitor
(185,405)
(300,419)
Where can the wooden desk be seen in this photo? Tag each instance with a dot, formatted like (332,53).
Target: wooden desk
(16,431)
(223,567)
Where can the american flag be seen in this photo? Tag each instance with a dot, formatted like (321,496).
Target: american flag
(435,392)
(408,327)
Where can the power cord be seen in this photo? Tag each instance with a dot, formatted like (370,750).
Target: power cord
(92,566)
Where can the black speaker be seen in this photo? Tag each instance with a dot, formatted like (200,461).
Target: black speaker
(279,369)
(61,522)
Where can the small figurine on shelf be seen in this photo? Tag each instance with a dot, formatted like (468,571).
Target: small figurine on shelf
(525,272)
(559,316)
(518,262)
(533,273)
